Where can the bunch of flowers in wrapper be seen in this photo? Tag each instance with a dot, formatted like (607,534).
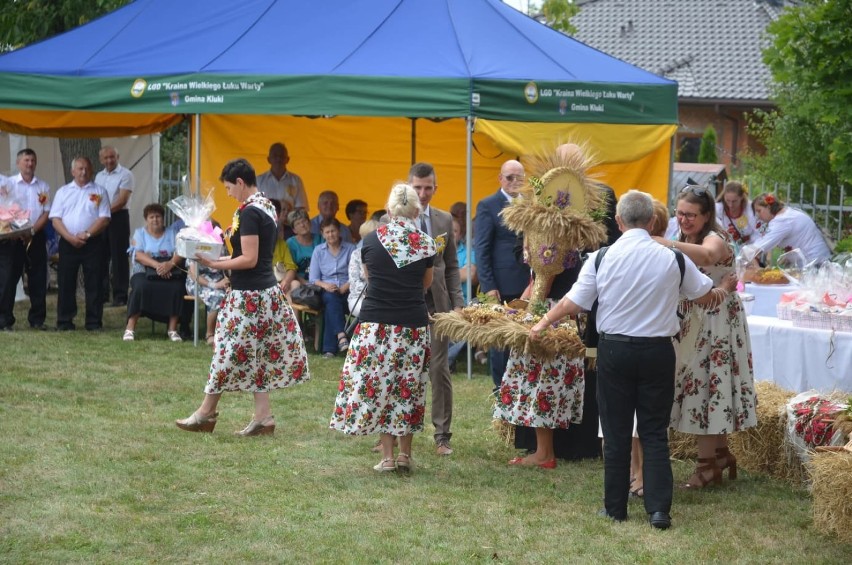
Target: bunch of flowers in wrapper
(14,218)
(812,422)
(199,235)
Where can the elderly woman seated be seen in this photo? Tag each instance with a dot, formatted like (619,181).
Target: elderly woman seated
(330,271)
(156,282)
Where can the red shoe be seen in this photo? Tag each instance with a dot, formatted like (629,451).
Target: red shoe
(546,465)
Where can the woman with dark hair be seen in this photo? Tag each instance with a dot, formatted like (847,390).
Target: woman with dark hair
(156,285)
(735,215)
(714,383)
(258,345)
(383,382)
(787,228)
(330,271)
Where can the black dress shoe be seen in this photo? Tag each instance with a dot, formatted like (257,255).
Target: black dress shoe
(660,520)
(604,514)
(39,327)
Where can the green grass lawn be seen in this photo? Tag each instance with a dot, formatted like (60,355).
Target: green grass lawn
(92,469)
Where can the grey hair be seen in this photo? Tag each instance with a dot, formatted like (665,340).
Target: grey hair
(403,201)
(635,209)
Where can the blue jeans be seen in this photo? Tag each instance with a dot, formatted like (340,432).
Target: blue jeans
(333,319)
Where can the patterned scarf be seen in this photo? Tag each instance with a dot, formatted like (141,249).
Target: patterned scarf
(404,242)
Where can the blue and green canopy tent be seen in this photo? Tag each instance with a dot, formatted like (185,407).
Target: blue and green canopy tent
(483,74)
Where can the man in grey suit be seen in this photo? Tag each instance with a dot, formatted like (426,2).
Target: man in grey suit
(443,296)
(500,274)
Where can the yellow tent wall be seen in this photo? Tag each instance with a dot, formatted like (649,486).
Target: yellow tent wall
(362,157)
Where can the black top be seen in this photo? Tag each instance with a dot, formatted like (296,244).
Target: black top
(394,295)
(254,221)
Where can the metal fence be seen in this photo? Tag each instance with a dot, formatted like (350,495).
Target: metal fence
(172,184)
(829,206)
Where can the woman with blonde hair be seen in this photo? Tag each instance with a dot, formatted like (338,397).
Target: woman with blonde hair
(735,215)
(383,382)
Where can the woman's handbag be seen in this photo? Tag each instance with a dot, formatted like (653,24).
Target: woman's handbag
(352,320)
(309,295)
(151,272)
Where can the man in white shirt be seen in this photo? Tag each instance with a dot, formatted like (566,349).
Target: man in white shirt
(281,184)
(80,215)
(637,288)
(118,182)
(28,254)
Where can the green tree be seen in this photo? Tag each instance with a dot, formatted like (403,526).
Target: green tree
(25,21)
(809,58)
(557,14)
(707,151)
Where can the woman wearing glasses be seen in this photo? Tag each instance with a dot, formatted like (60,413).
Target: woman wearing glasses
(735,215)
(714,383)
(788,228)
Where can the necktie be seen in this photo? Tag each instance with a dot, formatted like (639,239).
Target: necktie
(423,227)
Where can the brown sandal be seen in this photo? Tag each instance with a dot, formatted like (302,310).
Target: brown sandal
(698,479)
(211,339)
(722,453)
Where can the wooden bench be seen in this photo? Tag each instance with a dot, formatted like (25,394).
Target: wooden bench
(303,312)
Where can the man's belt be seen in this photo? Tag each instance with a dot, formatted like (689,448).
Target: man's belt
(631,339)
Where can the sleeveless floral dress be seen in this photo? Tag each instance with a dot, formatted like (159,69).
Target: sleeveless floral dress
(714,382)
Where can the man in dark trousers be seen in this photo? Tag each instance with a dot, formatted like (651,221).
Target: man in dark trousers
(500,274)
(637,285)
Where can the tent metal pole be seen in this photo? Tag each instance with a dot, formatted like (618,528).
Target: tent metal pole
(468,239)
(196,173)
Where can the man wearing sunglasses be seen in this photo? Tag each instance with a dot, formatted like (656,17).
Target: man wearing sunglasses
(500,273)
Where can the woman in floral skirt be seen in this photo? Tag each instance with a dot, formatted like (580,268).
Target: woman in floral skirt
(383,382)
(258,346)
(546,395)
(714,382)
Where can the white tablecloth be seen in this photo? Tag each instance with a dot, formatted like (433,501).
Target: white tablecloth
(766,297)
(800,359)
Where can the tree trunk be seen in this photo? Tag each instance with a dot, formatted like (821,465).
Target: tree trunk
(71,148)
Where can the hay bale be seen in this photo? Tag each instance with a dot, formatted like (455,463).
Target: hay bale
(682,446)
(831,477)
(505,431)
(761,449)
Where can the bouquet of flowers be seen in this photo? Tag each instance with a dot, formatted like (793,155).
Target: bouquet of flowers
(199,235)
(14,218)
(811,422)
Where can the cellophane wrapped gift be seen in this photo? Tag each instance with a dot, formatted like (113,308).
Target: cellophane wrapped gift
(199,236)
(825,301)
(14,218)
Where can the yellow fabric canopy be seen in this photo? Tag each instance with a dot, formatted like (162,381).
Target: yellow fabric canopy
(361,157)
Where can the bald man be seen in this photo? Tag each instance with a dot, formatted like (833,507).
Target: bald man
(500,273)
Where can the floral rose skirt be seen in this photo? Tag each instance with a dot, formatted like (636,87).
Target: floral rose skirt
(258,345)
(541,394)
(383,383)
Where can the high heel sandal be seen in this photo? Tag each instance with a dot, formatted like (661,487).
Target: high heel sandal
(383,468)
(403,466)
(730,462)
(698,480)
(196,423)
(254,428)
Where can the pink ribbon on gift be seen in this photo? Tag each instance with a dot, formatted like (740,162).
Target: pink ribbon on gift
(215,233)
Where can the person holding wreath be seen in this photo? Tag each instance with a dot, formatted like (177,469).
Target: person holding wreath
(258,346)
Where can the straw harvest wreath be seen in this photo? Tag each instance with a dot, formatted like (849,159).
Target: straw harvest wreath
(559,213)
